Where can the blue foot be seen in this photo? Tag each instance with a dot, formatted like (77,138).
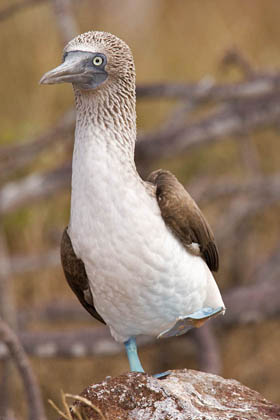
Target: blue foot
(162,375)
(132,355)
(196,319)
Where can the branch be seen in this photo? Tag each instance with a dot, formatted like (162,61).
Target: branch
(35,404)
(31,263)
(206,89)
(39,186)
(242,210)
(54,312)
(232,118)
(255,302)
(33,188)
(209,189)
(254,93)
(79,342)
(15,157)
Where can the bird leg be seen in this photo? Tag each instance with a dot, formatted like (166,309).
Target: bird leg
(134,362)
(132,355)
(184,323)
(162,375)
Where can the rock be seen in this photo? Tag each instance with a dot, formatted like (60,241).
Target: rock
(183,395)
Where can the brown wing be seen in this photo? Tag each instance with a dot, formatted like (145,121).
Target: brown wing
(184,217)
(76,275)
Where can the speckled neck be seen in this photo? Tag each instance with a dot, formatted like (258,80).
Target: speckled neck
(107,116)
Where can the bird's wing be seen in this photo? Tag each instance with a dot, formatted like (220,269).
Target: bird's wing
(182,215)
(76,276)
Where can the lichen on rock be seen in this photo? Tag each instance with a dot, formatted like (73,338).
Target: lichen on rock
(183,395)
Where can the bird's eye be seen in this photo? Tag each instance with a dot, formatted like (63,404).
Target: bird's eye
(97,61)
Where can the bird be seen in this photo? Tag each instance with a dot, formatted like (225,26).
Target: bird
(138,254)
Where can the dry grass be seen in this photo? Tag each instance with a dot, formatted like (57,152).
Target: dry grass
(74,410)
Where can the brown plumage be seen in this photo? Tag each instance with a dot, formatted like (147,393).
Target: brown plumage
(183,217)
(76,275)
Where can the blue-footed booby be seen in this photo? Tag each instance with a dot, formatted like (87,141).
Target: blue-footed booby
(137,254)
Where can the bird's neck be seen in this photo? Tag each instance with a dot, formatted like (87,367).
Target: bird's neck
(106,119)
(103,159)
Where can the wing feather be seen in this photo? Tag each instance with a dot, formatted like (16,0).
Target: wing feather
(182,215)
(76,276)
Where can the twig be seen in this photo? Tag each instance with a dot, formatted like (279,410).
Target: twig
(75,409)
(87,403)
(60,412)
(31,263)
(35,404)
(33,188)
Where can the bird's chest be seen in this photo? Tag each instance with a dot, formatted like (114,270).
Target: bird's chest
(132,260)
(113,224)
(105,221)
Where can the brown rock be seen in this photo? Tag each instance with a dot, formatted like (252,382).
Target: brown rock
(183,395)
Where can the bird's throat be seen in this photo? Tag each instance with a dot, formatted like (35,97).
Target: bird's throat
(106,118)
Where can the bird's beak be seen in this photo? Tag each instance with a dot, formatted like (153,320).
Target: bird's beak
(78,69)
(70,71)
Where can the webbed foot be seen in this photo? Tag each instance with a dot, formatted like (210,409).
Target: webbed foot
(196,319)
(162,375)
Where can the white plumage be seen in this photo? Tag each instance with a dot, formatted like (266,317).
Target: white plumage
(141,277)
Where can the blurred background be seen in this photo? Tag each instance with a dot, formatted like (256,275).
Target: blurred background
(209,110)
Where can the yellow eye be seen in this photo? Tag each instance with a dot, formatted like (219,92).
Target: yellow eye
(97,61)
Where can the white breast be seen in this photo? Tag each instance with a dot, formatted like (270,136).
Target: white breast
(141,277)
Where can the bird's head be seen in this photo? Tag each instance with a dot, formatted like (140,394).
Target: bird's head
(92,61)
